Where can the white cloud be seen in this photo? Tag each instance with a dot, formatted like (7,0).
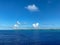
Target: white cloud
(18,22)
(16,25)
(36,25)
(32,7)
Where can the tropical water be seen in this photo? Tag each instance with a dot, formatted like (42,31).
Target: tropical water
(29,37)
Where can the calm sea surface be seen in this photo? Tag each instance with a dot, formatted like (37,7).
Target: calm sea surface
(29,37)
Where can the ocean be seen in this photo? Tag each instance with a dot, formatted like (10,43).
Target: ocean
(30,37)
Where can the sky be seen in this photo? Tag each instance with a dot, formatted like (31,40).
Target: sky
(30,13)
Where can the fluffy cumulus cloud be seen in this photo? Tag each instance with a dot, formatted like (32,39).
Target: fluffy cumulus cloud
(16,25)
(18,22)
(36,25)
(32,7)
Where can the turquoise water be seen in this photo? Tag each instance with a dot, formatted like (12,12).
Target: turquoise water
(29,37)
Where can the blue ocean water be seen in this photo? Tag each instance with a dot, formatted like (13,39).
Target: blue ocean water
(30,37)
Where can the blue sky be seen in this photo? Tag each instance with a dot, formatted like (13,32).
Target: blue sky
(27,12)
